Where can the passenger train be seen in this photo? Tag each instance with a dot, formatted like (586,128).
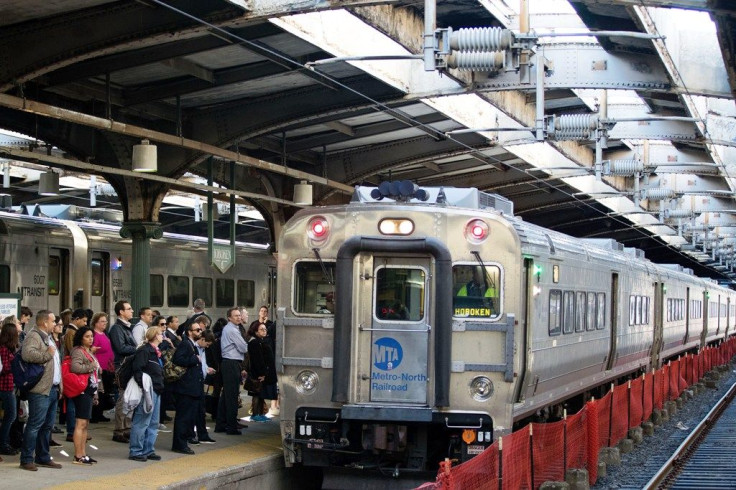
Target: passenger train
(57,264)
(454,321)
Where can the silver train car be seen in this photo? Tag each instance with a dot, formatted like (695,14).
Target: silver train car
(419,324)
(57,264)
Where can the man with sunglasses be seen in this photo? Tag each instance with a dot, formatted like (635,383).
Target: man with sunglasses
(188,390)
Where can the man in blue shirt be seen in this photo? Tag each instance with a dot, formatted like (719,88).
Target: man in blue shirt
(233,347)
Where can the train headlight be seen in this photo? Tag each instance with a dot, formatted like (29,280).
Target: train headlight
(476,231)
(318,228)
(306,382)
(396,226)
(481,388)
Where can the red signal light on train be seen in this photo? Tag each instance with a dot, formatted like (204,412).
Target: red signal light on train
(476,231)
(318,228)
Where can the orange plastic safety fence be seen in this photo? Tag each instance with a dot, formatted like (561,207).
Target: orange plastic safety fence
(683,374)
(516,460)
(659,389)
(648,396)
(577,440)
(636,402)
(479,473)
(674,380)
(619,414)
(547,452)
(603,408)
(594,443)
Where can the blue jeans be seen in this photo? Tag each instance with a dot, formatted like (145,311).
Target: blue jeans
(41,416)
(71,416)
(11,411)
(144,430)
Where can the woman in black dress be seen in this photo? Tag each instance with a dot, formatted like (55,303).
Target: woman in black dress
(262,368)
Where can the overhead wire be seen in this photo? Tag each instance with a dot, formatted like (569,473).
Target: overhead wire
(261,47)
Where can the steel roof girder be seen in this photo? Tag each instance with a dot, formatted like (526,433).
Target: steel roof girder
(655,130)
(585,65)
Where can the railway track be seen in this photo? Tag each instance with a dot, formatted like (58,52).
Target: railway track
(704,460)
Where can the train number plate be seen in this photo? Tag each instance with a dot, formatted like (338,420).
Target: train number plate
(476,449)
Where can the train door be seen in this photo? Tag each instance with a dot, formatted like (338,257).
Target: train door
(394,332)
(706,318)
(58,280)
(658,322)
(99,280)
(687,316)
(614,320)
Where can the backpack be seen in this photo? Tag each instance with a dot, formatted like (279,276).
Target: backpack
(26,375)
(124,372)
(172,372)
(74,383)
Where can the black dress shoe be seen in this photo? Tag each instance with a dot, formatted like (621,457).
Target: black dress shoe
(140,458)
(154,457)
(122,439)
(185,450)
(53,443)
(193,442)
(242,426)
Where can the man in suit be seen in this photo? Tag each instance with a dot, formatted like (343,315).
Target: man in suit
(188,390)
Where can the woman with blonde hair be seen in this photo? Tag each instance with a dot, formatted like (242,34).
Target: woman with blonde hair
(147,363)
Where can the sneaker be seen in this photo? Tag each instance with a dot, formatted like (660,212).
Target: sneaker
(274,412)
(207,440)
(154,457)
(163,428)
(193,441)
(259,418)
(56,430)
(138,457)
(84,460)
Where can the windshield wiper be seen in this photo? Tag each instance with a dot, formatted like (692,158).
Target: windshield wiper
(325,273)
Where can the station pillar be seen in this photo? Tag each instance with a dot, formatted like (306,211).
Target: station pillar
(141,233)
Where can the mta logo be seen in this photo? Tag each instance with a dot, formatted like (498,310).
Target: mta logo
(387,353)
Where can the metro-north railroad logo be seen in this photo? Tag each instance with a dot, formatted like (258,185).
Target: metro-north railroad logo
(387,353)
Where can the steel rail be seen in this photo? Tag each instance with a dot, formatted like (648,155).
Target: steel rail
(685,450)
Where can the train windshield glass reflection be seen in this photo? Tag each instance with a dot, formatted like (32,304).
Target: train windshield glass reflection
(314,290)
(476,290)
(400,294)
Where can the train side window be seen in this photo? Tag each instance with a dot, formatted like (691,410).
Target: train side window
(247,293)
(225,292)
(555,312)
(4,279)
(477,291)
(580,311)
(400,294)
(202,288)
(178,291)
(157,290)
(632,309)
(568,315)
(669,309)
(95,271)
(646,310)
(314,287)
(600,318)
(637,318)
(591,317)
(54,275)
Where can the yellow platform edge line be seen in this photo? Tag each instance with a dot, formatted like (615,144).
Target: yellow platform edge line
(182,467)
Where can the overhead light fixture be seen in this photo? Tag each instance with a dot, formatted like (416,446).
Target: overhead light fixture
(144,157)
(303,193)
(48,183)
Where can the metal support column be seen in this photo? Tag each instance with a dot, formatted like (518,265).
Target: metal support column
(141,234)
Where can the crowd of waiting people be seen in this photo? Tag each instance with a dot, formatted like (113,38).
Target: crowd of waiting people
(86,357)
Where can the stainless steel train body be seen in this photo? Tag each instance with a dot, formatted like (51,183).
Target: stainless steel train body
(56,264)
(406,368)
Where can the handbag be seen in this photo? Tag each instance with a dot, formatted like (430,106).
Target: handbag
(252,385)
(74,384)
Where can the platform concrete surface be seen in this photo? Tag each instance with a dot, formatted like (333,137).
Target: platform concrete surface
(231,458)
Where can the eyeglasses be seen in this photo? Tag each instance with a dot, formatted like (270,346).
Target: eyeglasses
(162,324)
(196,330)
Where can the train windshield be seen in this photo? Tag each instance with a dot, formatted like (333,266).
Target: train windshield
(400,294)
(314,287)
(476,293)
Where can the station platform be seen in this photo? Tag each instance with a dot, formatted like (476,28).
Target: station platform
(232,461)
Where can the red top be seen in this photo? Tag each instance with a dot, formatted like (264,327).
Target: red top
(6,377)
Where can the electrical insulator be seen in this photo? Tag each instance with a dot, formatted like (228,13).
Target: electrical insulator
(481,39)
(467,61)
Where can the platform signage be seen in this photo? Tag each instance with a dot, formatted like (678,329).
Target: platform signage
(222,257)
(399,368)
(9,305)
